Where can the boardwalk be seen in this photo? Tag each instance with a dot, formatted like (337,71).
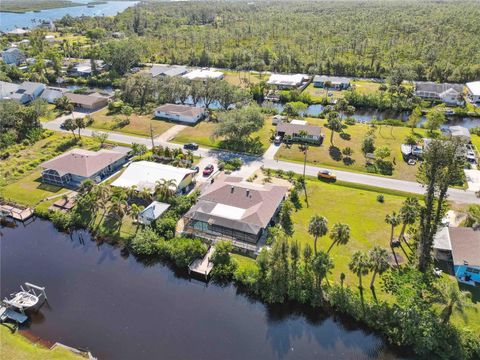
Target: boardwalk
(203,266)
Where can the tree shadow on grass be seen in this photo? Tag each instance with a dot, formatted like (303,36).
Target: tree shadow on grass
(348,161)
(335,153)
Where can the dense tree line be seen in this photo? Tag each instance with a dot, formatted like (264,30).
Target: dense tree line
(426,40)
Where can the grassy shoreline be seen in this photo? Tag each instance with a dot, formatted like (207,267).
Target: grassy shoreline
(12,6)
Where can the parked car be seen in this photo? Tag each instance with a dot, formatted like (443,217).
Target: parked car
(277,140)
(195,168)
(327,175)
(191,146)
(208,170)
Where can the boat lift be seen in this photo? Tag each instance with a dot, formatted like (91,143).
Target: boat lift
(32,296)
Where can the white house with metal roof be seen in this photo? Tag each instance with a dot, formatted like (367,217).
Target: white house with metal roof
(473,92)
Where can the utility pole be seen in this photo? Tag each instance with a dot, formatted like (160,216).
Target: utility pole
(151,135)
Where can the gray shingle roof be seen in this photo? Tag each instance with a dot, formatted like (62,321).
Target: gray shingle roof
(465,246)
(290,129)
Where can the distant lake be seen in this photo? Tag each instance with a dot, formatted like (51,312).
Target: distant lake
(9,21)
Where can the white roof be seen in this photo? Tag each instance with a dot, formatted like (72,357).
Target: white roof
(298,122)
(203,74)
(154,210)
(474,87)
(144,175)
(227,211)
(441,240)
(282,79)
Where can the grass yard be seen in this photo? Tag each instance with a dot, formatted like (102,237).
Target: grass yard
(356,207)
(362,86)
(203,131)
(243,78)
(245,262)
(324,155)
(52,114)
(15,346)
(366,86)
(139,124)
(20,172)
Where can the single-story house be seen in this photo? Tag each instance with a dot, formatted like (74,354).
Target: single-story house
(336,82)
(182,113)
(460,132)
(13,56)
(23,93)
(84,68)
(460,246)
(168,70)
(473,91)
(203,74)
(50,94)
(77,165)
(234,209)
(152,212)
(18,31)
(292,132)
(7,88)
(93,101)
(451,94)
(144,175)
(287,81)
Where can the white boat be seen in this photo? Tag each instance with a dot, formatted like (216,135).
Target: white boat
(26,298)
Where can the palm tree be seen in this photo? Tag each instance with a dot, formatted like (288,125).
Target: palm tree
(394,220)
(408,214)
(318,227)
(340,234)
(165,189)
(378,257)
(322,265)
(132,192)
(454,299)
(359,265)
(118,207)
(135,210)
(334,124)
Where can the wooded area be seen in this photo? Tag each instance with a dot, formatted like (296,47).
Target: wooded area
(428,40)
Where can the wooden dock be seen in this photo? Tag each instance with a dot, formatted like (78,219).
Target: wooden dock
(16,213)
(202,266)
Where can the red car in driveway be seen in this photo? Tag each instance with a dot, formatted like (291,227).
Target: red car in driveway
(208,170)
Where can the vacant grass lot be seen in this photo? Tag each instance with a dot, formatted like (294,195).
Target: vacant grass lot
(362,86)
(139,124)
(15,346)
(325,155)
(244,78)
(202,134)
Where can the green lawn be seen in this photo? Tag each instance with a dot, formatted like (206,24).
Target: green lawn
(202,134)
(139,124)
(15,346)
(243,78)
(324,155)
(244,262)
(20,171)
(356,207)
(52,114)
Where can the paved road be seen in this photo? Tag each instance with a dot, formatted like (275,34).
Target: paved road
(253,163)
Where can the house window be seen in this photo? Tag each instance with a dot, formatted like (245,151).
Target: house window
(473,270)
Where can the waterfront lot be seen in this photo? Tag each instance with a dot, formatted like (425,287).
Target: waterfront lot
(139,124)
(362,86)
(202,134)
(328,156)
(244,78)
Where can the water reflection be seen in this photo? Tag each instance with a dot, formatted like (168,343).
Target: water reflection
(123,309)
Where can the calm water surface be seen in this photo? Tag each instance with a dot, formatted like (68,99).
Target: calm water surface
(9,21)
(121,309)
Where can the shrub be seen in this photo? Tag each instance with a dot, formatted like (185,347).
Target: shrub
(143,243)
(182,251)
(350,121)
(165,226)
(62,221)
(380,198)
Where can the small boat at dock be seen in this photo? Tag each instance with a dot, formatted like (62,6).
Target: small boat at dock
(27,298)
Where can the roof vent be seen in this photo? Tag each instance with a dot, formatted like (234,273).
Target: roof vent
(231,189)
(248,193)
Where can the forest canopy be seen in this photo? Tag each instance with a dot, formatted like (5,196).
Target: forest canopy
(427,40)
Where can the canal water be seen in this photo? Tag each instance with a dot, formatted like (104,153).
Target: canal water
(367,115)
(9,21)
(119,308)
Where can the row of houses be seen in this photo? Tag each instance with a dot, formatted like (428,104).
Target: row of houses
(162,70)
(450,94)
(230,208)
